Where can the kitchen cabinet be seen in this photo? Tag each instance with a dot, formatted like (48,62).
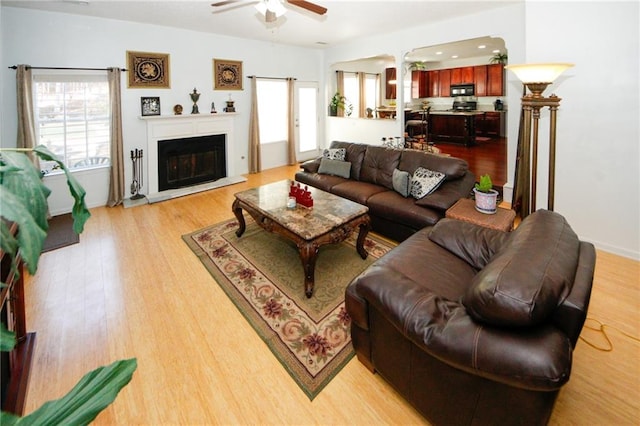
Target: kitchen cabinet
(434,84)
(419,84)
(488,124)
(452,127)
(390,83)
(444,84)
(480,79)
(495,80)
(462,75)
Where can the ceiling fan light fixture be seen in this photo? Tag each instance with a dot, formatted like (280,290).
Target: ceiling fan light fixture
(271,9)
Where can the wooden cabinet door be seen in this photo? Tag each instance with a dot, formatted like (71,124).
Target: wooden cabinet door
(492,124)
(480,79)
(445,83)
(467,75)
(456,75)
(434,84)
(495,77)
(419,84)
(390,89)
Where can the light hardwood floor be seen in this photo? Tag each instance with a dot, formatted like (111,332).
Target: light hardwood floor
(132,288)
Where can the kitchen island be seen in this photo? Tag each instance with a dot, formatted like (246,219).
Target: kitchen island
(453,126)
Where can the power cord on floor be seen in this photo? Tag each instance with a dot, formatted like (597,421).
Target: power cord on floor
(602,329)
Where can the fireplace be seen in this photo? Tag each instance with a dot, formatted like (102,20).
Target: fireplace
(184,128)
(190,161)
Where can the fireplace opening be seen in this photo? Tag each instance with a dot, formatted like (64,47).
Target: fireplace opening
(190,161)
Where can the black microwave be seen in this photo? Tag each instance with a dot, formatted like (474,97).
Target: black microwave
(463,89)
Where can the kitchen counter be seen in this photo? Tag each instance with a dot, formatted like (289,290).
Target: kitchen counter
(465,113)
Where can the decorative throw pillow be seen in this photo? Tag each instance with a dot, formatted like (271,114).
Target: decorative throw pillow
(335,167)
(424,182)
(401,182)
(335,154)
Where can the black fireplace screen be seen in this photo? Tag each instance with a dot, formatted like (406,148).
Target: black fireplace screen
(190,161)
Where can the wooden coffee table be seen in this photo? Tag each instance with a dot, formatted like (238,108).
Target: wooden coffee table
(331,220)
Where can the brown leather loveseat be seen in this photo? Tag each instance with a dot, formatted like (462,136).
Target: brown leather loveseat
(472,325)
(369,181)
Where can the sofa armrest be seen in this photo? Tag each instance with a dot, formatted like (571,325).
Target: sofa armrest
(449,192)
(474,244)
(535,358)
(311,166)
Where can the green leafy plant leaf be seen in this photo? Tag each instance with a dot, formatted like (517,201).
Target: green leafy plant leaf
(92,394)
(7,339)
(80,211)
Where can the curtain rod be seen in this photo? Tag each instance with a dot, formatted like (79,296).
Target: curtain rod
(15,67)
(271,78)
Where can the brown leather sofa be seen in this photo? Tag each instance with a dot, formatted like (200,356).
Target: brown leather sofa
(473,325)
(370,184)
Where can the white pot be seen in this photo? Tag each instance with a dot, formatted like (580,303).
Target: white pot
(486,202)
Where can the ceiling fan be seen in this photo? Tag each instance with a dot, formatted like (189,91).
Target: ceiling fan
(271,9)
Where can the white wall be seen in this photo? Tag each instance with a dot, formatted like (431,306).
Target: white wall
(52,39)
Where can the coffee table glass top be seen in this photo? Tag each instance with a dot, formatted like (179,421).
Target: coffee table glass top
(328,211)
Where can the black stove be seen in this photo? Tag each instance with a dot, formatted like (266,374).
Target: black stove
(464,106)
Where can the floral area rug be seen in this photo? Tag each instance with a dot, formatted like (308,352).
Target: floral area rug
(262,274)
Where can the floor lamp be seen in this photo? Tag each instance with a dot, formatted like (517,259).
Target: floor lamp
(536,77)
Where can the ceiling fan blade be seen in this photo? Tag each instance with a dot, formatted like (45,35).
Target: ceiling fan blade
(223,3)
(312,7)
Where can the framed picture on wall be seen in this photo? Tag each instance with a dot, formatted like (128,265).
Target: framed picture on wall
(148,70)
(227,74)
(150,106)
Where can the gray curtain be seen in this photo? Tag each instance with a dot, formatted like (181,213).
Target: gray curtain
(26,123)
(116,177)
(255,164)
(291,140)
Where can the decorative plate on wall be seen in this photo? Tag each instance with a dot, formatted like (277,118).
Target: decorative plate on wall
(148,70)
(227,75)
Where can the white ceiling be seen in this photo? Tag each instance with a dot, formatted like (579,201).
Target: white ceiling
(345,19)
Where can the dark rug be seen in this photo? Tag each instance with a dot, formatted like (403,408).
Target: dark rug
(60,233)
(262,274)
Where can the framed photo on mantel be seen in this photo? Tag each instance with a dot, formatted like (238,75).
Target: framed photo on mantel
(227,74)
(148,70)
(150,106)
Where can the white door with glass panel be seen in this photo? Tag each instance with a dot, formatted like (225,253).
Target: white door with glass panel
(306,120)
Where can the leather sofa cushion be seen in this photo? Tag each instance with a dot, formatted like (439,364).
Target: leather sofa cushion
(356,191)
(355,155)
(533,273)
(474,244)
(311,166)
(452,167)
(378,165)
(320,181)
(394,207)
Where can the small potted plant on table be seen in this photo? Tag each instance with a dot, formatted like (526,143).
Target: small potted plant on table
(486,196)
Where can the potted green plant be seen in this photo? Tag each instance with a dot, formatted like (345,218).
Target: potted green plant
(337,101)
(499,58)
(24,201)
(486,197)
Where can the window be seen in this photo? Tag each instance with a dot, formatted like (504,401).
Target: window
(72,118)
(372,92)
(352,93)
(272,110)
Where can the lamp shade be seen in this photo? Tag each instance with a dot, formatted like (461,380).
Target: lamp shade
(538,73)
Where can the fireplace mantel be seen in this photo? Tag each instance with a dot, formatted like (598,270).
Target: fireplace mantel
(183,126)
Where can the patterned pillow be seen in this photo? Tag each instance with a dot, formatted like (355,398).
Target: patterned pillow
(424,182)
(335,154)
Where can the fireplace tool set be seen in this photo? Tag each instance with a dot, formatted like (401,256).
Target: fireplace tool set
(136,158)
